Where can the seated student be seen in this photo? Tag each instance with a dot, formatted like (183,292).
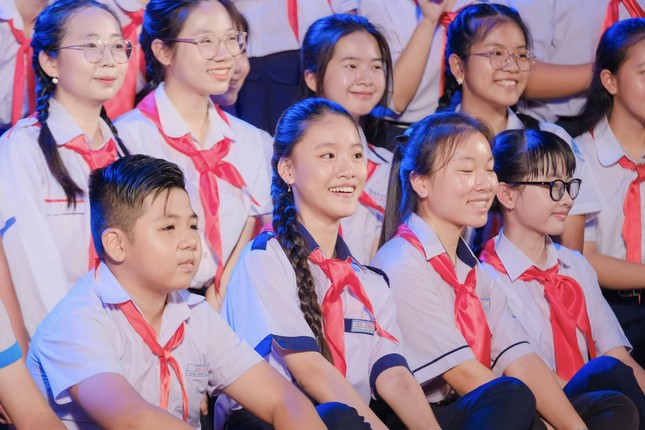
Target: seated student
(459,334)
(104,340)
(316,314)
(19,397)
(552,291)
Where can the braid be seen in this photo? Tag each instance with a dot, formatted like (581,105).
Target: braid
(119,142)
(451,96)
(293,244)
(46,141)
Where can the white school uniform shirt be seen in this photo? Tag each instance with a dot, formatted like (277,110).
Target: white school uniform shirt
(602,152)
(46,241)
(262,307)
(87,334)
(529,306)
(141,136)
(8,50)
(269,29)
(425,310)
(398,19)
(9,349)
(564,32)
(363,227)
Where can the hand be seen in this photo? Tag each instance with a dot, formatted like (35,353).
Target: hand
(203,405)
(432,9)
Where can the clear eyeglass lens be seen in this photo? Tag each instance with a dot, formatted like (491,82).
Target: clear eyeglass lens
(558,187)
(500,58)
(209,45)
(95,49)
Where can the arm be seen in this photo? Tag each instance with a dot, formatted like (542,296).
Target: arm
(26,406)
(213,298)
(403,393)
(322,381)
(271,397)
(126,408)
(409,68)
(624,356)
(552,403)
(11,304)
(549,81)
(468,376)
(615,273)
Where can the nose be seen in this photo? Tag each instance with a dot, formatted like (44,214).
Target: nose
(189,240)
(364,75)
(346,167)
(107,57)
(512,63)
(485,180)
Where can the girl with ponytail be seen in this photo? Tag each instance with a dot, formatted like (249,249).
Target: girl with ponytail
(298,296)
(459,336)
(80,59)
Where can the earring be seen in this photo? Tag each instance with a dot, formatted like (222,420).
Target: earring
(54,80)
(288,188)
(460,81)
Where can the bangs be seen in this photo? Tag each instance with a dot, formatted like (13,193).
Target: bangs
(550,157)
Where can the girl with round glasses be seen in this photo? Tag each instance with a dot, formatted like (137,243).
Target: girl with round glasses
(613,143)
(551,290)
(488,58)
(190,48)
(45,160)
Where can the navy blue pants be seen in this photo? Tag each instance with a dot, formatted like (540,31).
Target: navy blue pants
(273,84)
(631,316)
(336,416)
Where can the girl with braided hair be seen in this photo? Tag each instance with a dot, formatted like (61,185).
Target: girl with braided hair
(297,295)
(80,59)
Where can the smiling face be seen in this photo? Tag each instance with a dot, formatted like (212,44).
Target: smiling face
(355,75)
(82,84)
(484,86)
(460,192)
(163,249)
(185,69)
(326,170)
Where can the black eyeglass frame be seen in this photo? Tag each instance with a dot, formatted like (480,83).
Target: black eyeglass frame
(566,186)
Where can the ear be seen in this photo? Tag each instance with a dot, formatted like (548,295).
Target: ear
(114,244)
(285,172)
(162,52)
(456,67)
(419,184)
(48,64)
(506,196)
(608,81)
(310,80)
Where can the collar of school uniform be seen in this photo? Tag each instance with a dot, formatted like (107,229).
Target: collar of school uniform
(515,261)
(432,246)
(174,125)
(342,250)
(607,146)
(129,5)
(8,10)
(64,128)
(512,123)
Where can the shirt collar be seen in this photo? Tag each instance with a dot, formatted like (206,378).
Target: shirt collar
(8,10)
(515,261)
(431,244)
(513,122)
(342,250)
(174,125)
(610,151)
(64,128)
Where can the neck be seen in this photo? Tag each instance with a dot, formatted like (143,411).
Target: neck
(87,118)
(448,233)
(531,243)
(630,133)
(192,107)
(495,116)
(29,10)
(325,233)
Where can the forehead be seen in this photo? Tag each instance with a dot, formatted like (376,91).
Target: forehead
(91,21)
(473,147)
(330,129)
(174,201)
(636,54)
(207,17)
(503,33)
(359,45)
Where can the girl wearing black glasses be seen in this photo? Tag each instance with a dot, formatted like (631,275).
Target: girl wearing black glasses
(551,290)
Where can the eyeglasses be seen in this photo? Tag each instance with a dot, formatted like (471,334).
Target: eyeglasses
(209,44)
(557,187)
(94,49)
(500,58)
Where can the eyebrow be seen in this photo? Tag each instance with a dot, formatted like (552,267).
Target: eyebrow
(175,216)
(469,158)
(499,45)
(328,144)
(86,35)
(358,59)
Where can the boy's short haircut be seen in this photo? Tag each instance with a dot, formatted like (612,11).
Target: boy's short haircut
(118,191)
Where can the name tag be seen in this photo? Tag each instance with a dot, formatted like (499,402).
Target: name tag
(360,326)
(197,370)
(485,301)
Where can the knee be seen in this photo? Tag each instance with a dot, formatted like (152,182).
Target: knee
(339,416)
(514,391)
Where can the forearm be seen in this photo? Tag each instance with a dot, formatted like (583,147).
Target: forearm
(614,273)
(403,393)
(552,403)
(11,304)
(549,81)
(468,376)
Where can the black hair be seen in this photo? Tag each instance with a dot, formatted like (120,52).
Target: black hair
(118,191)
(291,129)
(426,147)
(49,31)
(611,53)
(472,24)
